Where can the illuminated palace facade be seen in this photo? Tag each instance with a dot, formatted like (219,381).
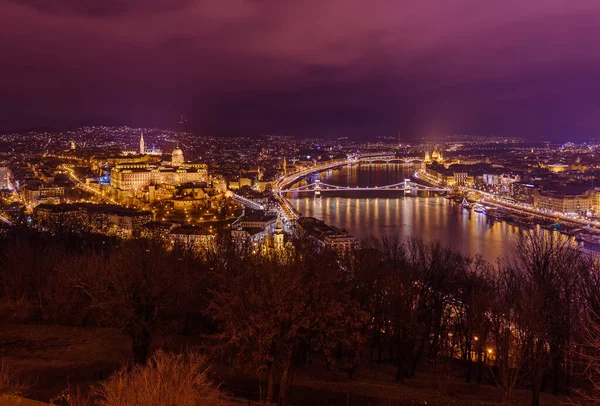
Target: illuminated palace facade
(136,176)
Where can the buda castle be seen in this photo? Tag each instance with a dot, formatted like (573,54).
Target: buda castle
(136,176)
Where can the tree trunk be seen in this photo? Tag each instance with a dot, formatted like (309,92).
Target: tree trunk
(504,366)
(568,375)
(536,380)
(467,357)
(437,324)
(271,384)
(556,373)
(286,378)
(352,364)
(401,372)
(535,394)
(417,357)
(481,355)
(479,363)
(508,395)
(140,343)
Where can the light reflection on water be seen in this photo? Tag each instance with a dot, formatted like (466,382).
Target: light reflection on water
(429,217)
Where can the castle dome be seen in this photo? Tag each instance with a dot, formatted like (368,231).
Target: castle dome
(177,157)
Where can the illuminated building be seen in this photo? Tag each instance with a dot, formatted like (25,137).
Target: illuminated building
(249,234)
(177,157)
(99,218)
(327,236)
(254,227)
(278,236)
(558,168)
(440,174)
(143,150)
(436,156)
(191,236)
(142,145)
(261,221)
(139,175)
(461,178)
(565,203)
(500,180)
(124,159)
(33,195)
(525,192)
(4,177)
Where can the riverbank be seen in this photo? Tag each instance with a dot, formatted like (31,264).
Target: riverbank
(520,208)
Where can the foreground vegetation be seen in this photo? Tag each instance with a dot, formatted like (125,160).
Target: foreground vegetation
(528,321)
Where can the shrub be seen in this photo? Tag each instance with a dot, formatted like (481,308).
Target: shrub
(11,383)
(15,310)
(165,380)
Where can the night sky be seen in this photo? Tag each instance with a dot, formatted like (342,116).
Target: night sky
(524,68)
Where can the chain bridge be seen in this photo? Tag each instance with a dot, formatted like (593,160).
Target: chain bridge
(318,187)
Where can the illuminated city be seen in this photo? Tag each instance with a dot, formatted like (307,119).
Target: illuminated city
(334,202)
(511,181)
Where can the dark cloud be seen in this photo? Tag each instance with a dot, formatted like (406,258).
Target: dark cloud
(102,8)
(525,68)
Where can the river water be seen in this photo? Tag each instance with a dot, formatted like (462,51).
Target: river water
(421,214)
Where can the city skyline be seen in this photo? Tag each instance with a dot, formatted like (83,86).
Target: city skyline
(327,68)
(318,202)
(143,232)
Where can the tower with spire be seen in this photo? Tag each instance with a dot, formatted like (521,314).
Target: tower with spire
(142,144)
(278,236)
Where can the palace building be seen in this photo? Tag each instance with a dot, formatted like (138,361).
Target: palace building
(136,176)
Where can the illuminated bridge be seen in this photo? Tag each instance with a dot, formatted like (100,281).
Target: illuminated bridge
(319,187)
(247,202)
(388,158)
(6,221)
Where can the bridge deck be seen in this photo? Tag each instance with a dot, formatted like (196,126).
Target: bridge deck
(247,202)
(362,189)
(402,186)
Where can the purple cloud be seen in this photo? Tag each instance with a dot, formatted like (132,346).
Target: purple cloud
(431,66)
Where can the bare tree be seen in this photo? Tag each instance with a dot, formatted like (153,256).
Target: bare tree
(269,310)
(139,287)
(545,273)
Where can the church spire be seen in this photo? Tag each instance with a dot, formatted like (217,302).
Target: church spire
(142,144)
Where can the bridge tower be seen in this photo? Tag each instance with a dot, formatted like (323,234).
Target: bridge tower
(317,187)
(407,185)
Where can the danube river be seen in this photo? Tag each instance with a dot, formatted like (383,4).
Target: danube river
(419,214)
